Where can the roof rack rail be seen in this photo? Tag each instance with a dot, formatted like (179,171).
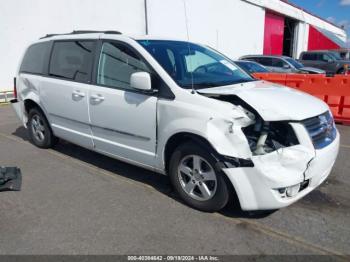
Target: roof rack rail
(77,32)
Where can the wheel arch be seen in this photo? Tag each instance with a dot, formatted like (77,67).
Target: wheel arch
(177,139)
(222,161)
(30,104)
(49,140)
(182,137)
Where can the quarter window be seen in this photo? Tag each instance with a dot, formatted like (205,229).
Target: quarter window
(117,64)
(72,60)
(35,59)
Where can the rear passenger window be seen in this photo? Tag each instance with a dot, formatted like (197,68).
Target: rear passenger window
(117,64)
(72,60)
(35,59)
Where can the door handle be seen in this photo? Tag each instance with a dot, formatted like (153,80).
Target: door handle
(97,98)
(78,94)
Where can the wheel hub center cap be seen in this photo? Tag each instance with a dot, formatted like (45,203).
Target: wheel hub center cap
(197,176)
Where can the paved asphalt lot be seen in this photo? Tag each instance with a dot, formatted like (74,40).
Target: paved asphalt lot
(74,201)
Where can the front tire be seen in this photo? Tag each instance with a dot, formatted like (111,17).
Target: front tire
(192,173)
(39,129)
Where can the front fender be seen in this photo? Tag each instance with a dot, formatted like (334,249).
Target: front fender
(214,130)
(227,138)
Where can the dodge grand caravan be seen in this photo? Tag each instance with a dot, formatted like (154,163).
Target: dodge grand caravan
(180,109)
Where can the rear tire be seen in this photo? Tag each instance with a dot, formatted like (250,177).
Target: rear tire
(39,130)
(194,176)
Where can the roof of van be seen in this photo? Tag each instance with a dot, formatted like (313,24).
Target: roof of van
(80,32)
(91,34)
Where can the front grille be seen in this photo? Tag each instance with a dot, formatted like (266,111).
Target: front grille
(321,129)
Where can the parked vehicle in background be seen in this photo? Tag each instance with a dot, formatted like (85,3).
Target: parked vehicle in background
(180,109)
(282,64)
(329,61)
(343,53)
(251,67)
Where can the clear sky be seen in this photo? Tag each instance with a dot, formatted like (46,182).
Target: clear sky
(336,11)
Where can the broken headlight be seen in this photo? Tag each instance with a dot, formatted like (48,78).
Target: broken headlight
(266,137)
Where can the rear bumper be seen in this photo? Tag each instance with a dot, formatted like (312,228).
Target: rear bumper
(258,187)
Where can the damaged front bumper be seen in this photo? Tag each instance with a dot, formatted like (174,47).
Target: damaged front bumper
(282,177)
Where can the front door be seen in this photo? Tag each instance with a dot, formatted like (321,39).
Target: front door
(123,119)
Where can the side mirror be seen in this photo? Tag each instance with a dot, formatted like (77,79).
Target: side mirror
(285,66)
(141,81)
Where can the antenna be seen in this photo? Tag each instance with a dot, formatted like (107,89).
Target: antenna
(188,44)
(186,20)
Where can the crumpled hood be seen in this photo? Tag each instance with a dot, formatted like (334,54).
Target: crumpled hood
(273,102)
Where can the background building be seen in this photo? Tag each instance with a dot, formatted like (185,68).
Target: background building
(235,27)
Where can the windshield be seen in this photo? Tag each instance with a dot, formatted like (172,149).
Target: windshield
(195,66)
(295,63)
(251,67)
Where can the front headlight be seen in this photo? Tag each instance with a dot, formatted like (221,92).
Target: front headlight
(266,137)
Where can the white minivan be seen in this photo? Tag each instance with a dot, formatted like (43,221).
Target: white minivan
(181,109)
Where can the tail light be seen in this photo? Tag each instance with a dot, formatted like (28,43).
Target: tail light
(14,88)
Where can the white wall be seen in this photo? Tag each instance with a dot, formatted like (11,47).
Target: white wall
(24,21)
(233,27)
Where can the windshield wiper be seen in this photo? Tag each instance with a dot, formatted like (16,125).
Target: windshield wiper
(210,84)
(204,84)
(241,81)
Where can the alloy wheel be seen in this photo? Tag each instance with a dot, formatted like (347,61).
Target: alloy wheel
(38,128)
(197,177)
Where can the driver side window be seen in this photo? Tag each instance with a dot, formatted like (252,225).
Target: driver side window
(117,63)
